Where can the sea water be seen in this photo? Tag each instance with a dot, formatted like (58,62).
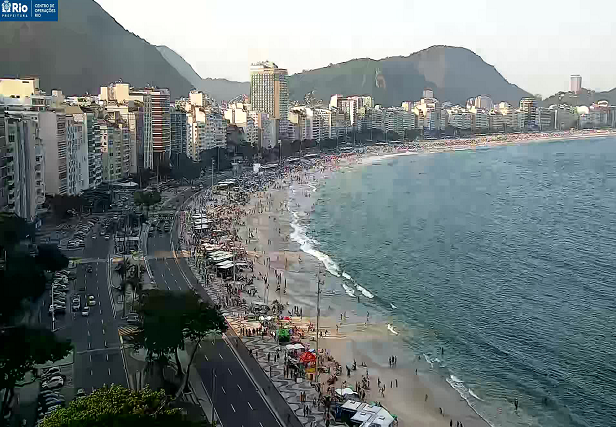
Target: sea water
(497,265)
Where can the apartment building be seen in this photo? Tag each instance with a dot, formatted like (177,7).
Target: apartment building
(24,164)
(52,131)
(528,106)
(95,160)
(269,93)
(115,149)
(151,121)
(179,131)
(77,178)
(207,129)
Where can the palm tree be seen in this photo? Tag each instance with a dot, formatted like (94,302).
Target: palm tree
(121,289)
(136,283)
(123,268)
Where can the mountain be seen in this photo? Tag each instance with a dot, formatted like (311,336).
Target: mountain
(84,50)
(585,97)
(219,89)
(454,73)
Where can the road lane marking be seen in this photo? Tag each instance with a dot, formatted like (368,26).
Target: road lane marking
(106,356)
(91,373)
(90,358)
(260,424)
(223,390)
(102,323)
(88,332)
(233,407)
(251,408)
(229,369)
(89,346)
(205,355)
(220,356)
(168,287)
(238,386)
(109,371)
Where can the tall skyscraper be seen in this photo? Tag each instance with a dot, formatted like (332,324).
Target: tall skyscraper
(576,83)
(269,92)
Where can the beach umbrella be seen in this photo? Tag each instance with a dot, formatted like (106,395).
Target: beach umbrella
(307,357)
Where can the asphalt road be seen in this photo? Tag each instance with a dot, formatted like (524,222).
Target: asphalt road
(237,401)
(98,360)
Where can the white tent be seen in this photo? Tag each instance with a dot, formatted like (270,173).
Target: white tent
(345,391)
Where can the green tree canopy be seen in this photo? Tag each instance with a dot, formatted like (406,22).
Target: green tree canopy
(120,407)
(50,258)
(13,230)
(22,279)
(171,318)
(185,168)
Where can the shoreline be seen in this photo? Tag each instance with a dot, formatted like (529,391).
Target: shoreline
(277,246)
(407,400)
(340,346)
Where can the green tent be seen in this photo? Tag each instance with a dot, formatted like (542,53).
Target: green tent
(283,336)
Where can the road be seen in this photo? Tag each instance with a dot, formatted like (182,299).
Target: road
(97,357)
(236,399)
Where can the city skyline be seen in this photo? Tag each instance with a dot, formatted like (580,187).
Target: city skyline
(512,53)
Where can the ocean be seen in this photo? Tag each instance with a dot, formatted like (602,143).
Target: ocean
(498,265)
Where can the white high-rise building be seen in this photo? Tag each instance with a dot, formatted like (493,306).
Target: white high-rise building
(24,164)
(76,154)
(115,149)
(206,130)
(52,131)
(269,92)
(576,83)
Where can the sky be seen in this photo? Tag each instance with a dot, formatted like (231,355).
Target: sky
(536,44)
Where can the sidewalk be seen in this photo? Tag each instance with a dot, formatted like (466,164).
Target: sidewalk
(287,392)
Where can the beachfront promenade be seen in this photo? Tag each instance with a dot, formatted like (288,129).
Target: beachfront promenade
(259,348)
(282,394)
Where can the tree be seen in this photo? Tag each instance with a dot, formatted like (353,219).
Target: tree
(121,289)
(24,347)
(185,168)
(120,407)
(50,258)
(23,280)
(62,204)
(123,268)
(146,198)
(201,321)
(13,230)
(171,318)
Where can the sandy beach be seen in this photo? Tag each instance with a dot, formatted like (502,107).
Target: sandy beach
(421,398)
(286,268)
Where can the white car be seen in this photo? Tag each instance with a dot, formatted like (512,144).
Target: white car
(53,382)
(85,312)
(91,300)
